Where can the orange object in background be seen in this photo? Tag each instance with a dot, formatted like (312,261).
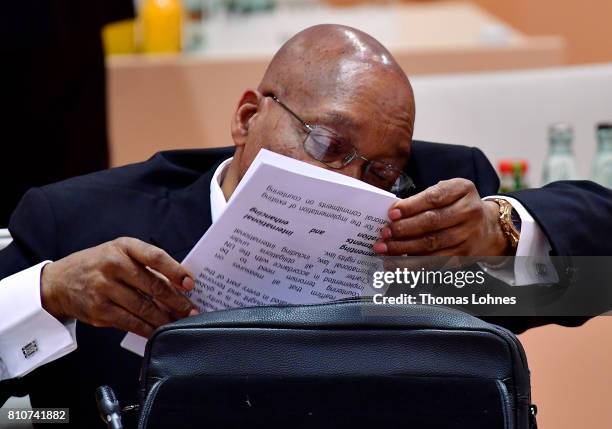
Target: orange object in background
(119,37)
(161,26)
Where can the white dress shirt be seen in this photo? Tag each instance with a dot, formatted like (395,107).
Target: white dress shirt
(532,263)
(217,198)
(31,337)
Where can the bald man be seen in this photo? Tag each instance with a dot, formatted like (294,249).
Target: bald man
(333,97)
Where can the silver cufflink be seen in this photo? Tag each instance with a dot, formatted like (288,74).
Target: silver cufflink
(29,349)
(541,269)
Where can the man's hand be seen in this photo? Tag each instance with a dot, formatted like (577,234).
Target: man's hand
(447,219)
(110,286)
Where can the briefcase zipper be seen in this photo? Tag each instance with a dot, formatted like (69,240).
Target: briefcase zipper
(130,408)
(533,412)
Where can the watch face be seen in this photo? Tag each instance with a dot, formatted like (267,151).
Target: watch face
(516,220)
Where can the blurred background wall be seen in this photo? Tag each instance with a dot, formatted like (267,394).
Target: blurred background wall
(585,25)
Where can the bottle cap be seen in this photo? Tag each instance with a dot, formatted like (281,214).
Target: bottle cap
(604,132)
(505,166)
(510,166)
(561,130)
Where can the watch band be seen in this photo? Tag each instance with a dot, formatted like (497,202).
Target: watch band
(505,221)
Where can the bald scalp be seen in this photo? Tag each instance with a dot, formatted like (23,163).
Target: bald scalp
(336,78)
(335,61)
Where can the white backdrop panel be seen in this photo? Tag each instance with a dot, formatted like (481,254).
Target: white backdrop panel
(507,114)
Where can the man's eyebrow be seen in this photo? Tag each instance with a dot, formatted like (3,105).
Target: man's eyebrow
(340,119)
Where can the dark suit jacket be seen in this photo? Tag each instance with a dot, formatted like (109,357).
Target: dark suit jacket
(165,201)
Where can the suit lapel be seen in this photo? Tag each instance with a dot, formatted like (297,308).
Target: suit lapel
(184,217)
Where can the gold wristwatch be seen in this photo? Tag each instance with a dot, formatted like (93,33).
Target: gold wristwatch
(507,222)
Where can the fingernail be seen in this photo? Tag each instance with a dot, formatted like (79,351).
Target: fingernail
(380,247)
(395,214)
(187,283)
(386,233)
(193,312)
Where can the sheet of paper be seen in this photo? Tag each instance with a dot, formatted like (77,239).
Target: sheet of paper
(134,343)
(291,233)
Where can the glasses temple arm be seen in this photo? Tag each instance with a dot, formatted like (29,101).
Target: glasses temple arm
(291,112)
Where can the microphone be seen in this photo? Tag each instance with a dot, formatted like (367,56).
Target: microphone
(108,407)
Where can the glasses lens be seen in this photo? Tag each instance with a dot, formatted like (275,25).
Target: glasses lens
(387,177)
(323,145)
(380,175)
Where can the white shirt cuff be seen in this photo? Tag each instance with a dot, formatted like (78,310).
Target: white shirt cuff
(29,336)
(532,264)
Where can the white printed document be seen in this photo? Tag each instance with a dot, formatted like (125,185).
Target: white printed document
(291,233)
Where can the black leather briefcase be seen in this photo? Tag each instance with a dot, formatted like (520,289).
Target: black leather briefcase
(344,364)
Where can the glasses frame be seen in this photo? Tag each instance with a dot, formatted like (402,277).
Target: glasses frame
(354,154)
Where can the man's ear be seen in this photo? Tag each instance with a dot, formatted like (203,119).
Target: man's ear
(247,108)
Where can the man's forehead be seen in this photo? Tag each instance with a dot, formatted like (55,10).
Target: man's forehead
(394,142)
(355,111)
(340,119)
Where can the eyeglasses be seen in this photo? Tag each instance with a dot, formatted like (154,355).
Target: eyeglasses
(326,146)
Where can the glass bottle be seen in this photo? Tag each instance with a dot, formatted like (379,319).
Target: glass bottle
(560,164)
(162,22)
(602,163)
(192,27)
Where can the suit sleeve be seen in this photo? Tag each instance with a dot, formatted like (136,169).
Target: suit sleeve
(33,229)
(575,216)
(576,219)
(30,336)
(485,177)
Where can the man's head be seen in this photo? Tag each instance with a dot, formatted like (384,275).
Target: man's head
(335,77)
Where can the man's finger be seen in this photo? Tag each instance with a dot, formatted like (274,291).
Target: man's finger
(442,194)
(156,287)
(138,304)
(122,319)
(158,259)
(414,263)
(426,244)
(427,221)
